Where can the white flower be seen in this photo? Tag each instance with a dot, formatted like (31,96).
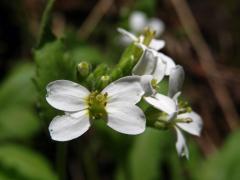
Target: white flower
(158,64)
(179,119)
(138,21)
(151,62)
(157,25)
(115,104)
(154,44)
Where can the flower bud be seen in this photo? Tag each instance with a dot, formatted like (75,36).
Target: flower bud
(83,69)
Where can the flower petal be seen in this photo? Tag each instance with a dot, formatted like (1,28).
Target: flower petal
(157,44)
(169,62)
(150,64)
(127,34)
(181,145)
(157,25)
(137,21)
(163,103)
(176,80)
(193,127)
(126,89)
(159,71)
(66,95)
(146,81)
(126,118)
(146,65)
(65,128)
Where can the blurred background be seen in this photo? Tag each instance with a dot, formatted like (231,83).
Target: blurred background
(202,36)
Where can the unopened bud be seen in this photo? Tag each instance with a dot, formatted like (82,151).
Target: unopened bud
(84,69)
(104,81)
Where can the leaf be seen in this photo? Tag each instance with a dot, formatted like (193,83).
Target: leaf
(225,163)
(18,122)
(18,162)
(145,156)
(53,63)
(17,88)
(88,54)
(17,98)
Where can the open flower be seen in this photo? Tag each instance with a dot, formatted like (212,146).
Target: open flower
(153,63)
(130,37)
(138,21)
(115,104)
(179,118)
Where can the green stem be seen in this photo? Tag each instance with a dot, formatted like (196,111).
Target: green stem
(45,27)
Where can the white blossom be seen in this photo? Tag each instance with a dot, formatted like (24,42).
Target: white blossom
(190,122)
(155,44)
(138,21)
(159,64)
(116,104)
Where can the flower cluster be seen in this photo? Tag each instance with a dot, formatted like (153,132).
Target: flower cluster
(117,102)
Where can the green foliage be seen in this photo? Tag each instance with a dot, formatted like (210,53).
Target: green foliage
(146,149)
(225,163)
(17,97)
(147,6)
(17,88)
(86,53)
(46,34)
(53,63)
(18,162)
(153,156)
(18,122)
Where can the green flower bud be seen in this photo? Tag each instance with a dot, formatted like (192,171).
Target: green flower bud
(83,69)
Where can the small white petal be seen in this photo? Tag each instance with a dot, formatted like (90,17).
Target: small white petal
(163,103)
(126,118)
(147,85)
(194,127)
(150,64)
(181,145)
(176,80)
(137,21)
(66,95)
(131,36)
(159,71)
(128,89)
(146,65)
(169,62)
(157,25)
(157,44)
(65,128)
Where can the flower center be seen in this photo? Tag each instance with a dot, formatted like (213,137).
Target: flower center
(97,103)
(154,83)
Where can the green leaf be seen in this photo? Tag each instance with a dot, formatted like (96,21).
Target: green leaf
(225,164)
(18,162)
(18,122)
(17,88)
(145,156)
(17,98)
(88,54)
(53,63)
